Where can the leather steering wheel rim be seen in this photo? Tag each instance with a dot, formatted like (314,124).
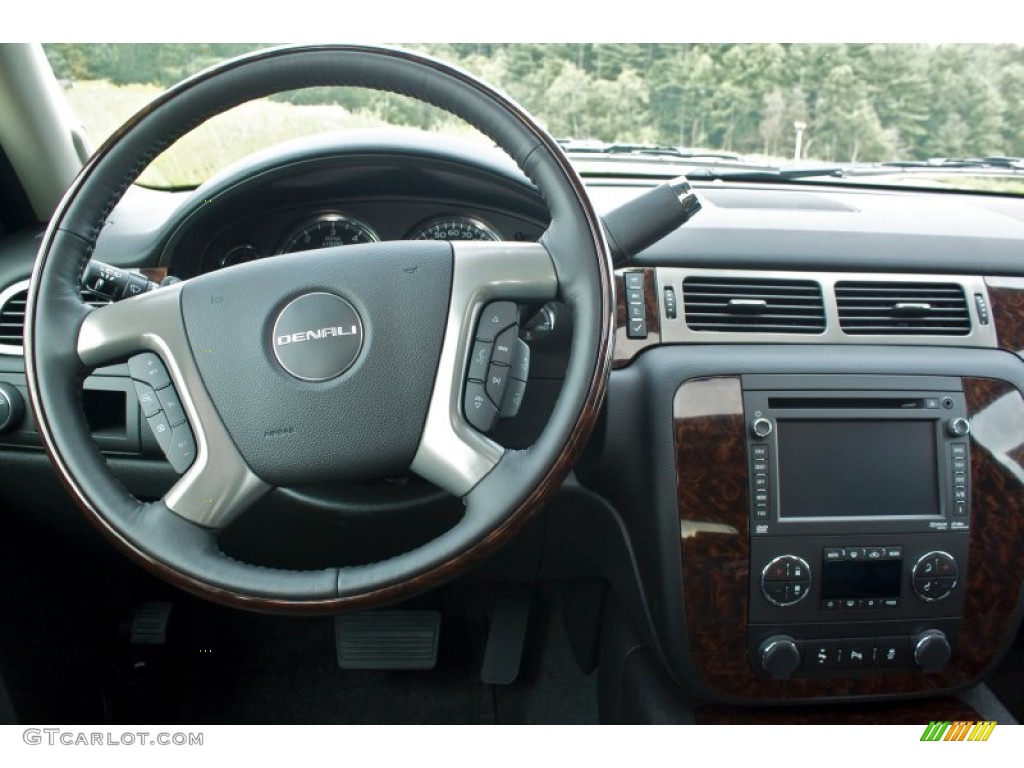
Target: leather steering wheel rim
(64,341)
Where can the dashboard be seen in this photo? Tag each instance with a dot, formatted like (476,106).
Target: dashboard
(855,313)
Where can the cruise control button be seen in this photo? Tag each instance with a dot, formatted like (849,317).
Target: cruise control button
(149,368)
(504,346)
(479,359)
(496,317)
(171,406)
(513,398)
(497,380)
(161,429)
(182,449)
(147,398)
(480,411)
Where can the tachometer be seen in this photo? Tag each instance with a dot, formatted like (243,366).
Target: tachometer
(453,228)
(327,231)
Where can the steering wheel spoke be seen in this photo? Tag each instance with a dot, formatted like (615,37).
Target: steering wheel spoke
(452,453)
(217,484)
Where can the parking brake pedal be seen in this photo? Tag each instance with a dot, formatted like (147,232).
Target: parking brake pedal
(388,639)
(504,653)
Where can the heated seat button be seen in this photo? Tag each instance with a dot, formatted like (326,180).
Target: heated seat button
(161,429)
(171,405)
(496,317)
(181,451)
(480,411)
(497,380)
(147,398)
(504,346)
(892,651)
(479,359)
(149,368)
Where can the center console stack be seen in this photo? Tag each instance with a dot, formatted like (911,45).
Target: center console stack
(859,524)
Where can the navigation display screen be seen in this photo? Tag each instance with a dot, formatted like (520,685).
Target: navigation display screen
(870,468)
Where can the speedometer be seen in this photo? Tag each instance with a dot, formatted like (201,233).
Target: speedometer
(453,228)
(327,231)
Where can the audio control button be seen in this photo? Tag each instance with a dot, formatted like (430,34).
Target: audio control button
(761,427)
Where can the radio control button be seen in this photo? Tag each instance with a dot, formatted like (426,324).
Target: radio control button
(761,427)
(496,317)
(759,466)
(761,512)
(760,482)
(958,450)
(959,427)
(759,452)
(959,465)
(959,480)
(960,509)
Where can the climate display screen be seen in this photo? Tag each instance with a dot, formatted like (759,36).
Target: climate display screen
(870,468)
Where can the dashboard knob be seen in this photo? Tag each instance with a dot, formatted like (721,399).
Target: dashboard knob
(959,427)
(780,656)
(761,427)
(12,407)
(932,650)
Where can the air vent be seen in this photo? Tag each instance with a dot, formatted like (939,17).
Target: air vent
(886,309)
(12,318)
(736,305)
(12,314)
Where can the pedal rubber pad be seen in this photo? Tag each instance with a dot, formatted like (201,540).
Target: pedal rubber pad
(388,639)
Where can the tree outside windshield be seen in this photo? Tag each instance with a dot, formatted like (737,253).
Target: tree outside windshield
(810,102)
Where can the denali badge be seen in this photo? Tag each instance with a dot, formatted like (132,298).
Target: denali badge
(319,333)
(327,319)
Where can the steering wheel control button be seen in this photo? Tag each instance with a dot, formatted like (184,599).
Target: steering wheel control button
(170,405)
(181,449)
(148,368)
(504,346)
(480,411)
(521,361)
(496,317)
(786,580)
(479,359)
(513,399)
(317,336)
(497,380)
(161,430)
(147,398)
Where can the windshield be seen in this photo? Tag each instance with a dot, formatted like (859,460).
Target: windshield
(950,115)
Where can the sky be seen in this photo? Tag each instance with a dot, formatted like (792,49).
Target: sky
(383,21)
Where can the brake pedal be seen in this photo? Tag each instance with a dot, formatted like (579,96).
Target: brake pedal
(507,637)
(388,639)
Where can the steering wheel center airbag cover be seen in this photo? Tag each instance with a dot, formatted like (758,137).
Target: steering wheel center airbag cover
(317,336)
(304,404)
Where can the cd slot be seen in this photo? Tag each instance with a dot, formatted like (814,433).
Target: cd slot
(847,403)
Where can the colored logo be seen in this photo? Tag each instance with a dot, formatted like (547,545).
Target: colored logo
(958,730)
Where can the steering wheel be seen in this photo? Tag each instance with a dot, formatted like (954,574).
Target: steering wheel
(324,365)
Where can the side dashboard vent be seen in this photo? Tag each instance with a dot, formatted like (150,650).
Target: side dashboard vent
(753,305)
(880,309)
(12,318)
(12,315)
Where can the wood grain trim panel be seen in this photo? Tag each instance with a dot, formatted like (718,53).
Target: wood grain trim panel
(711,481)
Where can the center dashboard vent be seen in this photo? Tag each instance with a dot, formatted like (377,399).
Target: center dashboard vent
(12,316)
(880,309)
(740,305)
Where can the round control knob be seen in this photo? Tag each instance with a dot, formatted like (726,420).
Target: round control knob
(761,427)
(959,427)
(935,576)
(780,656)
(12,407)
(932,650)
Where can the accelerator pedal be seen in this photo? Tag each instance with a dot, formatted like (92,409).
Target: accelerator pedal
(388,639)
(506,638)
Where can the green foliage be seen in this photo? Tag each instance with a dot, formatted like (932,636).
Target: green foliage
(859,102)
